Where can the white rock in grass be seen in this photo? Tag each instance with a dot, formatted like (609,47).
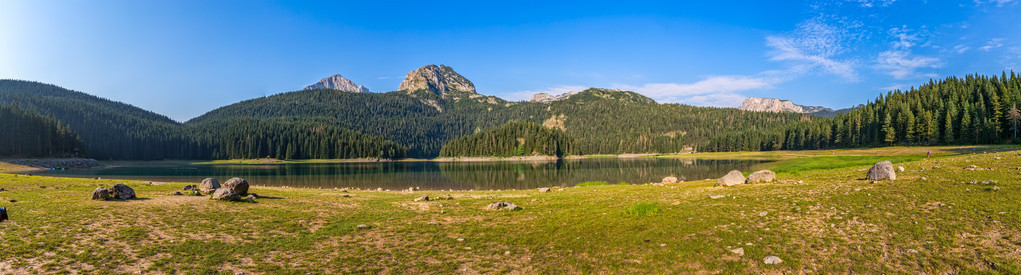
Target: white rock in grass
(772,260)
(739,251)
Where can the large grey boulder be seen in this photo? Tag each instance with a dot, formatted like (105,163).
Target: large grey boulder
(122,192)
(882,171)
(734,177)
(238,184)
(209,185)
(101,194)
(669,180)
(226,194)
(761,176)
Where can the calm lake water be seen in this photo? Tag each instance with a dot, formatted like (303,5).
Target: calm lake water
(428,175)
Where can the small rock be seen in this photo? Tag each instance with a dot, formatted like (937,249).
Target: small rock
(761,176)
(544,190)
(209,185)
(226,194)
(763,213)
(100,194)
(460,239)
(364,226)
(122,192)
(506,253)
(734,177)
(739,251)
(422,198)
(996,158)
(717,196)
(194,192)
(176,193)
(996,188)
(912,251)
(668,180)
(190,187)
(772,260)
(13,200)
(799,182)
(449,197)
(922,179)
(971,167)
(502,205)
(900,168)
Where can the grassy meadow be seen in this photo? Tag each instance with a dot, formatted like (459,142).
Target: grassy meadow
(833,221)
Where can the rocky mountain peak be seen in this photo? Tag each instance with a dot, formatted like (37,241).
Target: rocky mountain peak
(337,82)
(758,104)
(438,79)
(547,98)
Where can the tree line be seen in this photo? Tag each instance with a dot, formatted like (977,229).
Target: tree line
(974,109)
(520,138)
(29,134)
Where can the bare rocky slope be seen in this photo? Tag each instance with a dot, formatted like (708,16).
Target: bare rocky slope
(759,104)
(438,79)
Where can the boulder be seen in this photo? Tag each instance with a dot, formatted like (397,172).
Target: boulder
(422,198)
(226,194)
(761,176)
(238,184)
(209,185)
(544,190)
(190,187)
(734,177)
(668,180)
(122,192)
(882,171)
(100,194)
(502,205)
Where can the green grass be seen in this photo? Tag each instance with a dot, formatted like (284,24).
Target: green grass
(832,222)
(591,183)
(643,209)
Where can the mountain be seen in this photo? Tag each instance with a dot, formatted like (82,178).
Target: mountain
(758,104)
(437,79)
(337,82)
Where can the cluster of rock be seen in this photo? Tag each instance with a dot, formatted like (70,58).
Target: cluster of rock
(735,177)
(118,191)
(427,198)
(75,163)
(231,190)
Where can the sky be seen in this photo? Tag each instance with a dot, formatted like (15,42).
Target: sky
(182,58)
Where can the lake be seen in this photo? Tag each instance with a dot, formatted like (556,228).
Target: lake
(427,175)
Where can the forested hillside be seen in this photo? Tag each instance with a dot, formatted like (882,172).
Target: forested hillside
(970,110)
(511,139)
(28,134)
(601,121)
(114,130)
(109,129)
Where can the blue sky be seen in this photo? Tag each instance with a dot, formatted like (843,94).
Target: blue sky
(182,58)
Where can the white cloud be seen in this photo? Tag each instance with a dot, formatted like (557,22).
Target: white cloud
(899,61)
(718,91)
(873,3)
(998,3)
(814,45)
(992,44)
(959,49)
